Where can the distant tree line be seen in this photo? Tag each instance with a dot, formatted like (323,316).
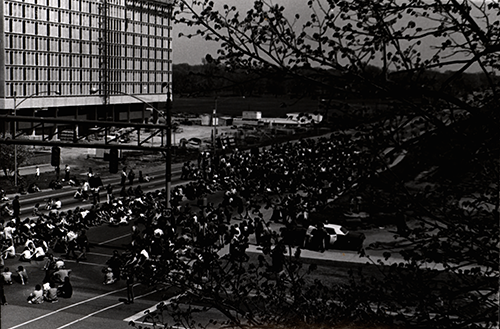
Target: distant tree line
(210,78)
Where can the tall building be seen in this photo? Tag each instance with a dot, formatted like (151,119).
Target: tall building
(84,59)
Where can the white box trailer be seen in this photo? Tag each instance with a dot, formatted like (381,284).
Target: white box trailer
(252,115)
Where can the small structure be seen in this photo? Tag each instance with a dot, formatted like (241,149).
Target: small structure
(251,115)
(209,120)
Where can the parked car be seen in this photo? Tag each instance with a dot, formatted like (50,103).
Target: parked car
(345,240)
(338,238)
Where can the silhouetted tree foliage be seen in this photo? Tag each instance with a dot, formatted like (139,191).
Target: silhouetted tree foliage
(441,120)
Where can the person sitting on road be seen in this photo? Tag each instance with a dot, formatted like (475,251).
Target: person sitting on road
(8,249)
(40,249)
(55,185)
(36,210)
(66,290)
(74,181)
(78,194)
(33,188)
(3,195)
(50,204)
(7,276)
(50,294)
(36,297)
(60,275)
(26,255)
(109,277)
(57,204)
(138,191)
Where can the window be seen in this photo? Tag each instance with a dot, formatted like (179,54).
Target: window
(54,30)
(65,31)
(53,15)
(75,33)
(30,27)
(42,28)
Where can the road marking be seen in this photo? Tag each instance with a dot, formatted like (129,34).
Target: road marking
(67,307)
(114,239)
(98,254)
(140,314)
(102,310)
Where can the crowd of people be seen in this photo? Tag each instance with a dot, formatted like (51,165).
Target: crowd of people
(293,179)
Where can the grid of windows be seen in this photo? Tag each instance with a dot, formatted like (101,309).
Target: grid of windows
(60,44)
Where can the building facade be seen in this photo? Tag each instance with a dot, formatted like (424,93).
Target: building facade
(85,59)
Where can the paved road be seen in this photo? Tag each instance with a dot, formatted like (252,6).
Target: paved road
(97,306)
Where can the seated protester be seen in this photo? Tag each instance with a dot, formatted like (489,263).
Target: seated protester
(22,274)
(123,192)
(78,194)
(55,185)
(7,276)
(138,191)
(60,275)
(40,250)
(50,294)
(26,255)
(50,204)
(7,210)
(8,249)
(36,297)
(50,267)
(73,181)
(33,188)
(65,290)
(57,204)
(3,195)
(130,191)
(109,277)
(25,232)
(36,210)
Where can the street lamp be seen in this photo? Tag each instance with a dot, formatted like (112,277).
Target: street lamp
(168,107)
(16,105)
(168,168)
(214,124)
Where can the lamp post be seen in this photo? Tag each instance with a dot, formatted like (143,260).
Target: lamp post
(214,124)
(168,170)
(168,106)
(16,105)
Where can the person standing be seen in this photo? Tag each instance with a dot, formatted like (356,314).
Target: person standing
(131,176)
(123,176)
(130,286)
(58,172)
(109,193)
(83,244)
(2,293)
(22,275)
(67,170)
(37,173)
(115,263)
(96,196)
(16,208)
